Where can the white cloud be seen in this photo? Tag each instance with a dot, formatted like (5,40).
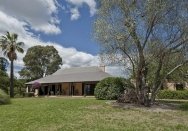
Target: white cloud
(73,58)
(70,56)
(40,15)
(12,24)
(48,29)
(75,14)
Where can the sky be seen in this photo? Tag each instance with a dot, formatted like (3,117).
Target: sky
(65,24)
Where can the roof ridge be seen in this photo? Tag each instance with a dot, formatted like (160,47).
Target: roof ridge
(75,70)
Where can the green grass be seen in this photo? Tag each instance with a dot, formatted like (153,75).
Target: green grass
(184,106)
(61,114)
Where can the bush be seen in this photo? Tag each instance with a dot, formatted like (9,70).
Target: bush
(110,88)
(18,96)
(4,98)
(167,94)
(28,94)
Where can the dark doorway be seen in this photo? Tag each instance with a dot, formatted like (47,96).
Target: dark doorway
(71,89)
(88,89)
(41,92)
(53,90)
(45,90)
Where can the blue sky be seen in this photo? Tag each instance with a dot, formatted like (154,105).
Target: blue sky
(65,24)
(75,33)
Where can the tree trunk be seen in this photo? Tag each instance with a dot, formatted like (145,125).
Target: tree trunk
(12,79)
(155,91)
(141,87)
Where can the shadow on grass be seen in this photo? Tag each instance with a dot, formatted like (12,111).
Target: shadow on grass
(177,104)
(159,106)
(184,107)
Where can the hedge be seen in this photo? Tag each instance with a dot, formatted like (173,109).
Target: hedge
(168,94)
(4,98)
(110,88)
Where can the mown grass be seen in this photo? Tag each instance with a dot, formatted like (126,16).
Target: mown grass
(61,114)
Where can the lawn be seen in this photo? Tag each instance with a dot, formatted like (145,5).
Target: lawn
(60,114)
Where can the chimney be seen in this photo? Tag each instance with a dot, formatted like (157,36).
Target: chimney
(102,67)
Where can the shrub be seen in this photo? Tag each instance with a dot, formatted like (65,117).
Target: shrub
(18,96)
(4,98)
(4,81)
(28,94)
(167,94)
(110,88)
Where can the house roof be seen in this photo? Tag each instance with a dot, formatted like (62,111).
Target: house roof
(76,74)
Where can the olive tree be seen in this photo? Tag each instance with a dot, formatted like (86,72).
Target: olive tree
(148,36)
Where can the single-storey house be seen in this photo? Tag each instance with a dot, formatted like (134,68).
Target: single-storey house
(76,81)
(172,85)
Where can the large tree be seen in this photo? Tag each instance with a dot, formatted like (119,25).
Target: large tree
(10,47)
(40,61)
(148,36)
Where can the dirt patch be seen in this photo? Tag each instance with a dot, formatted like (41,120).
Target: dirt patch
(158,107)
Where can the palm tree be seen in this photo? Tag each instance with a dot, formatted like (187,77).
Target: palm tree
(10,46)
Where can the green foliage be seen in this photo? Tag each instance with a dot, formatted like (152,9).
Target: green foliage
(110,88)
(4,98)
(19,84)
(184,107)
(28,94)
(172,60)
(40,61)
(4,81)
(167,94)
(180,75)
(10,47)
(19,87)
(3,64)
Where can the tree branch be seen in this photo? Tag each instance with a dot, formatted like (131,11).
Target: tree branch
(178,45)
(149,30)
(130,59)
(175,68)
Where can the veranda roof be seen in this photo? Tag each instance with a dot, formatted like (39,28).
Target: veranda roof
(77,74)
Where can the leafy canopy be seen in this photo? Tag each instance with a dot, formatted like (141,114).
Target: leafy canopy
(9,45)
(40,61)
